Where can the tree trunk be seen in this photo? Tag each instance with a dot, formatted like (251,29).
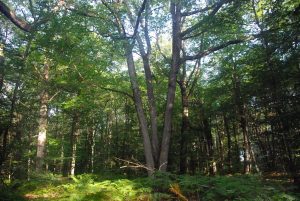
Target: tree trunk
(219,143)
(240,106)
(62,155)
(237,159)
(247,160)
(116,132)
(74,138)
(1,67)
(228,142)
(291,165)
(187,86)
(139,109)
(246,145)
(152,107)
(176,48)
(43,122)
(91,148)
(209,145)
(19,170)
(127,129)
(149,83)
(6,132)
(184,128)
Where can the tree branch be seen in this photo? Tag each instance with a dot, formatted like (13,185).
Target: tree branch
(167,59)
(216,7)
(196,78)
(131,164)
(197,11)
(138,19)
(146,30)
(120,26)
(83,13)
(195,70)
(116,91)
(20,23)
(213,49)
(54,95)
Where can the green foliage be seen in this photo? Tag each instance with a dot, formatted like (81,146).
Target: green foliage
(84,187)
(9,194)
(95,188)
(88,78)
(238,187)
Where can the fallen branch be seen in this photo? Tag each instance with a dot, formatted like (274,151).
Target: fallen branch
(135,165)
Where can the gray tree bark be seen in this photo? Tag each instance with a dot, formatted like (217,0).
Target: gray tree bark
(139,108)
(145,51)
(43,121)
(175,65)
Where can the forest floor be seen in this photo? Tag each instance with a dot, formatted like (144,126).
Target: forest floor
(166,187)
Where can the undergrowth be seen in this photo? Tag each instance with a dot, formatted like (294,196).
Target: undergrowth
(163,186)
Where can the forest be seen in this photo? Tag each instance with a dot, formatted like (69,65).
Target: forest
(139,100)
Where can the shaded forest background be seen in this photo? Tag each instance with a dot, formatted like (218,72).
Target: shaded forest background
(183,86)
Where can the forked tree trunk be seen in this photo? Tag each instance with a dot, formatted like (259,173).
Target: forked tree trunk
(43,121)
(145,51)
(176,48)
(139,109)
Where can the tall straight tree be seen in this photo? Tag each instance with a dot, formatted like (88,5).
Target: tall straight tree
(43,119)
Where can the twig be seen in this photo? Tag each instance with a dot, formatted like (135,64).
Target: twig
(54,95)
